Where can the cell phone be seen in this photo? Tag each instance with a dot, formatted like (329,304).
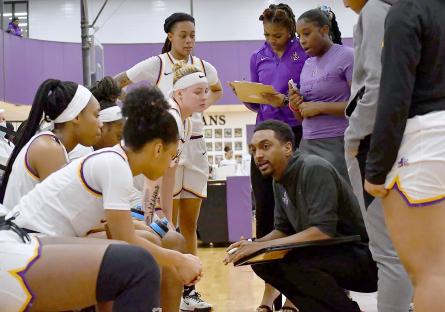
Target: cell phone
(293,85)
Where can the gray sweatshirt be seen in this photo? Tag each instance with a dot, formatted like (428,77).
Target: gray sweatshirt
(368,39)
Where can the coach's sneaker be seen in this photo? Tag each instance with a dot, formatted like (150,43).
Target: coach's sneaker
(193,302)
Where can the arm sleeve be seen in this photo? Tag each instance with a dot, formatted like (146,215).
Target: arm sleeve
(320,192)
(400,57)
(110,174)
(281,221)
(147,70)
(361,121)
(211,73)
(254,78)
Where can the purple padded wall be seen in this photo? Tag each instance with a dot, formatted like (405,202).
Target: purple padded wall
(2,67)
(239,207)
(28,62)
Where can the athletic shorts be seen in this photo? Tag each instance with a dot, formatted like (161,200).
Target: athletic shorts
(419,171)
(16,258)
(192,172)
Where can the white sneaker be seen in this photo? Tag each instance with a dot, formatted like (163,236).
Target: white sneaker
(193,302)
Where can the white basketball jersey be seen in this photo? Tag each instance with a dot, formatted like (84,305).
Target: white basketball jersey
(22,178)
(69,203)
(184,128)
(165,83)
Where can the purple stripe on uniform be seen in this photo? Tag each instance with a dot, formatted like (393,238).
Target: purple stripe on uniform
(23,273)
(203,67)
(417,204)
(81,169)
(160,70)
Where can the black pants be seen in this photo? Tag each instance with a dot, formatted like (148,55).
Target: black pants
(264,200)
(263,194)
(314,278)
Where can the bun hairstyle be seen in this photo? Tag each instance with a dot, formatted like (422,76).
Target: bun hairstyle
(182,69)
(280,14)
(321,17)
(51,99)
(170,22)
(148,118)
(106,89)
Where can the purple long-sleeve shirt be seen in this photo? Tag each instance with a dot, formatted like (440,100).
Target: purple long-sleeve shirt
(267,68)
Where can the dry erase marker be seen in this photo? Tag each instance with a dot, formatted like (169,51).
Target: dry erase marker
(232,251)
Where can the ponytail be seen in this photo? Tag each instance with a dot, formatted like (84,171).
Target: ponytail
(335,30)
(167,46)
(51,99)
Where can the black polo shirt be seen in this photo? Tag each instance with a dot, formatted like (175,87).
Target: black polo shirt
(312,193)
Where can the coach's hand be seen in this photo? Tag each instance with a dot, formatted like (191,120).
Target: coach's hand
(242,249)
(376,190)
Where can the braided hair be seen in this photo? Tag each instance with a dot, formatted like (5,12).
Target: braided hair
(281,14)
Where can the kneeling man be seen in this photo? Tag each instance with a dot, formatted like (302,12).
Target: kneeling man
(312,202)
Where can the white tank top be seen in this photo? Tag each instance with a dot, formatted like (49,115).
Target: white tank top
(165,83)
(184,129)
(22,178)
(71,201)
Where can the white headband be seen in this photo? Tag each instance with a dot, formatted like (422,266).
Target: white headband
(189,80)
(110,114)
(77,104)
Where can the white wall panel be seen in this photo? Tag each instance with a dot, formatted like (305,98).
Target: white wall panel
(136,21)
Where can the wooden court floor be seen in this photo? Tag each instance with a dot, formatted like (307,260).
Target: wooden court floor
(232,289)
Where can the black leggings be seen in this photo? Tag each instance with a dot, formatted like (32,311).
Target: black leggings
(129,276)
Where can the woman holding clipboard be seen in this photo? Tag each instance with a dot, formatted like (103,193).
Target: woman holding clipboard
(280,59)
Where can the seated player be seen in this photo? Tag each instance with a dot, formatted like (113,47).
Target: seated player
(98,186)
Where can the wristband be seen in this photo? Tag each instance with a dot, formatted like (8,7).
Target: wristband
(295,110)
(160,227)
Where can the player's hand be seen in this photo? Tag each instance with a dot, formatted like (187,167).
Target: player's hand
(188,269)
(274,99)
(295,98)
(233,87)
(310,109)
(376,190)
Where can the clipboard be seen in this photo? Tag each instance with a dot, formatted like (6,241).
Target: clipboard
(250,92)
(278,252)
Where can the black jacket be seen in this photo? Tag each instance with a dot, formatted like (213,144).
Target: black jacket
(413,77)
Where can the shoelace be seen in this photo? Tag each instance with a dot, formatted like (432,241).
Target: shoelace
(9,225)
(196,295)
